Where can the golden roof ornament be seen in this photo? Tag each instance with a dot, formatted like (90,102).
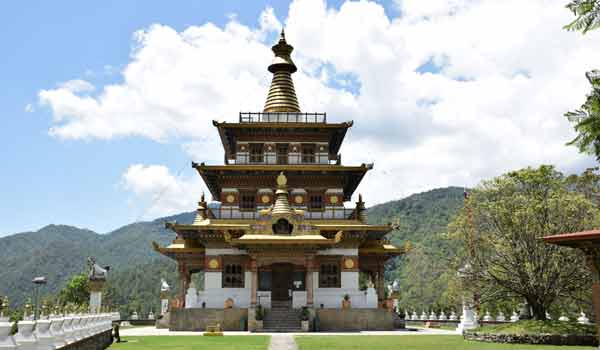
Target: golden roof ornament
(282,95)
(282,204)
(201,212)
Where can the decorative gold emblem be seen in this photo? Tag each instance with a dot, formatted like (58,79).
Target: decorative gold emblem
(298,199)
(213,263)
(321,148)
(349,263)
(281,180)
(265,199)
(333,199)
(243,148)
(230,198)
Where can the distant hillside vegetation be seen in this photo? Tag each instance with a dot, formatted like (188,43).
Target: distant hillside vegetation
(59,251)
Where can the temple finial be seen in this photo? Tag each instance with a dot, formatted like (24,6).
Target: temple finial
(282,95)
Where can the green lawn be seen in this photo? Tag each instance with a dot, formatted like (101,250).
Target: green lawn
(255,342)
(408,342)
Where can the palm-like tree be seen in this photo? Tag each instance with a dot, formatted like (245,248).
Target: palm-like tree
(587,119)
(588,15)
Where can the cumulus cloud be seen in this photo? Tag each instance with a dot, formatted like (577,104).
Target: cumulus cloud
(159,191)
(448,93)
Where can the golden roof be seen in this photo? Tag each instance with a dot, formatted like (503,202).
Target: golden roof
(282,95)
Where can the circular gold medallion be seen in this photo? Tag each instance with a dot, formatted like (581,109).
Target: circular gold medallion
(213,263)
(230,198)
(349,263)
(321,148)
(298,199)
(265,199)
(242,147)
(333,199)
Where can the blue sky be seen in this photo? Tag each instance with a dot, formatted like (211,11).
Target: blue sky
(82,180)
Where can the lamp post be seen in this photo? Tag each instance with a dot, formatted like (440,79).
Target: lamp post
(38,281)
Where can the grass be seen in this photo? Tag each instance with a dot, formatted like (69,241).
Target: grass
(409,342)
(255,342)
(538,327)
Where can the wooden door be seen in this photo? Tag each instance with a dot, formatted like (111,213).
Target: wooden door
(281,282)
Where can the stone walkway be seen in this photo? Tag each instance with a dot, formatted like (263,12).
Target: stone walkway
(283,341)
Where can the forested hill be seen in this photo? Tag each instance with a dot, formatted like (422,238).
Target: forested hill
(420,216)
(59,251)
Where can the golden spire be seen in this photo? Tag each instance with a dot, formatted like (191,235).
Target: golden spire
(282,205)
(282,95)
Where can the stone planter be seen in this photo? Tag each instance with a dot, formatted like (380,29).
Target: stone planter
(259,325)
(346,304)
(305,325)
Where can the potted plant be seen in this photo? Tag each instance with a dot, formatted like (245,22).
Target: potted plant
(346,302)
(259,316)
(304,317)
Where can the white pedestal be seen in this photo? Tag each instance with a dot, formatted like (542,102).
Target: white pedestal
(44,337)
(164,306)
(95,302)
(468,319)
(25,338)
(191,298)
(6,340)
(68,330)
(371,298)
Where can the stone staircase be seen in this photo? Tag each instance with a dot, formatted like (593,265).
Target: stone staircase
(282,318)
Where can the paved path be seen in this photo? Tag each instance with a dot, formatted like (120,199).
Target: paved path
(283,341)
(150,330)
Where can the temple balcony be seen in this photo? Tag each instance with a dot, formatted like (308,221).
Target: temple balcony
(282,117)
(327,213)
(284,158)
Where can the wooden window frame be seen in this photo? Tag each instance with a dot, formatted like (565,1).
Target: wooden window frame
(308,157)
(310,202)
(282,157)
(256,153)
(233,275)
(330,274)
(243,201)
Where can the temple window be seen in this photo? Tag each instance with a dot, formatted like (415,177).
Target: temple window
(282,153)
(247,201)
(329,275)
(233,276)
(257,153)
(315,202)
(308,153)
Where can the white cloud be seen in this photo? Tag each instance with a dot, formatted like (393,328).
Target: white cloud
(76,86)
(506,73)
(159,192)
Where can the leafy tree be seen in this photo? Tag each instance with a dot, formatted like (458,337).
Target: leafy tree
(510,215)
(76,291)
(587,13)
(587,119)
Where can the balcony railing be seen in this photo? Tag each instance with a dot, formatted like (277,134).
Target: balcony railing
(282,117)
(330,213)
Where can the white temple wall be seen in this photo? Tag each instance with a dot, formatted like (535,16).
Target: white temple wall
(350,280)
(224,251)
(212,280)
(339,251)
(215,298)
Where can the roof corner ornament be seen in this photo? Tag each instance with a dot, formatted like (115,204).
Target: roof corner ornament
(361,213)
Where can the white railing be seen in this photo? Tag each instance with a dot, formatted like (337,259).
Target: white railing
(450,317)
(54,332)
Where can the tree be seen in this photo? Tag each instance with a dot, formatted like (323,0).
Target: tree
(76,291)
(587,13)
(587,119)
(510,215)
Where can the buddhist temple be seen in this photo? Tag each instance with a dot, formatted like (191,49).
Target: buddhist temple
(282,236)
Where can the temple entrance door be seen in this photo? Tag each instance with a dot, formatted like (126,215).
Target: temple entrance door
(281,282)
